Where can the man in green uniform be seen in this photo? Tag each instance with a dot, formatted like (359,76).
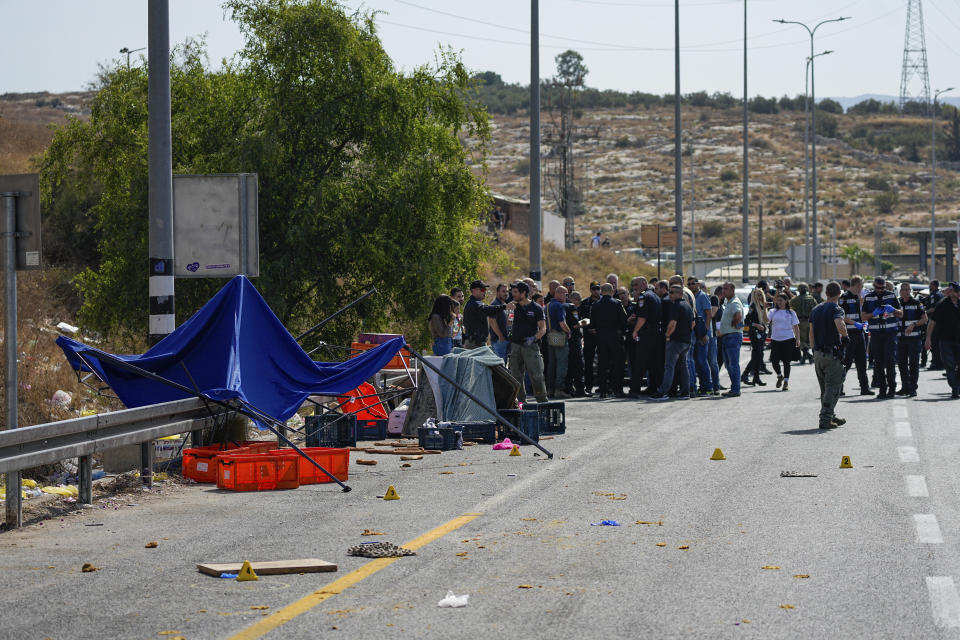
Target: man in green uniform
(802,304)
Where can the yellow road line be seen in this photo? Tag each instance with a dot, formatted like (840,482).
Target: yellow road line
(306,603)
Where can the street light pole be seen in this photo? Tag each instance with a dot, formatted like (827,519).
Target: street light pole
(128,51)
(813,151)
(745,229)
(807,250)
(933,185)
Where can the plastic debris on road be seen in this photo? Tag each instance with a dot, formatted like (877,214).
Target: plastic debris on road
(379,550)
(454,601)
(229,576)
(502,446)
(605,523)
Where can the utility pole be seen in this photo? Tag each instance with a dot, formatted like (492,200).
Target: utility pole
(160,191)
(535,221)
(693,223)
(678,161)
(745,241)
(760,241)
(933,184)
(914,57)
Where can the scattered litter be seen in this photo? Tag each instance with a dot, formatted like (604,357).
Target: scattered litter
(659,523)
(416,457)
(529,519)
(405,465)
(69,491)
(787,606)
(511,475)
(684,547)
(362,461)
(259,606)
(87,568)
(605,523)
(462,554)
(802,575)
(524,586)
(61,399)
(67,328)
(454,601)
(379,550)
(505,445)
(661,544)
(229,576)
(153,544)
(368,532)
(167,633)
(770,567)
(93,524)
(796,474)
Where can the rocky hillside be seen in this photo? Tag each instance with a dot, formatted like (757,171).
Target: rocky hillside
(624,163)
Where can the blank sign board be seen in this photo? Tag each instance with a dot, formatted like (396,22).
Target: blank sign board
(28,246)
(215,225)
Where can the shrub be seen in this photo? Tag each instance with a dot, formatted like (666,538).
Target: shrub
(711,229)
(886,202)
(622,142)
(727,175)
(877,183)
(522,166)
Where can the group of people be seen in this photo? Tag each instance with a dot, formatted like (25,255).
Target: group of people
(669,338)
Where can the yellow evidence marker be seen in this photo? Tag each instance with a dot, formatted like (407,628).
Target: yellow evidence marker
(391,494)
(718,455)
(247,573)
(515,451)
(845,463)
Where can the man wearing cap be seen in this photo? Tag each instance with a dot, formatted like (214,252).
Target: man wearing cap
(645,336)
(528,327)
(589,338)
(828,335)
(608,318)
(802,304)
(882,311)
(475,314)
(816,290)
(946,320)
(909,341)
(856,351)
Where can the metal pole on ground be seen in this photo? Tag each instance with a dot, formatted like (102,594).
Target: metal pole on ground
(14,512)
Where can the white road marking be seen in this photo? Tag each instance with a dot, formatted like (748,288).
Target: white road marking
(944,600)
(916,486)
(899,402)
(928,531)
(902,430)
(899,412)
(908,454)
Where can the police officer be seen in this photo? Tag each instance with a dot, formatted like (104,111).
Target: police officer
(856,352)
(608,318)
(475,314)
(828,335)
(882,310)
(589,339)
(945,323)
(816,290)
(930,301)
(644,338)
(910,340)
(575,346)
(802,304)
(528,327)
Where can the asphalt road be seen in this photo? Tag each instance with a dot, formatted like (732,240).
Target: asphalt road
(725,556)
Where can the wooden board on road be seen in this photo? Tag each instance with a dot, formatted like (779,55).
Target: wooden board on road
(271,567)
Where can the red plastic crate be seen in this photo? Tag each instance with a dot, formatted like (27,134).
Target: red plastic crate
(336,461)
(257,472)
(200,464)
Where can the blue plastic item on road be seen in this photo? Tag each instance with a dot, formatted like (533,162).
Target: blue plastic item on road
(229,575)
(605,523)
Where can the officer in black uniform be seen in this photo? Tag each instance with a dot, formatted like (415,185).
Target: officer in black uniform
(608,318)
(475,314)
(910,340)
(644,338)
(589,339)
(882,310)
(929,302)
(856,352)
(575,346)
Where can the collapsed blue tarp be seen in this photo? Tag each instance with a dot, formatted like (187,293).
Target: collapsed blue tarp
(234,347)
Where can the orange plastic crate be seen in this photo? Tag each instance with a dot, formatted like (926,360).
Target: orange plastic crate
(336,461)
(257,472)
(200,463)
(399,361)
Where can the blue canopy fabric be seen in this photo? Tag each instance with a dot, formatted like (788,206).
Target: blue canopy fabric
(233,347)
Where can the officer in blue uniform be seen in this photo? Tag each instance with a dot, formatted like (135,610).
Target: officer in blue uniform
(910,340)
(882,311)
(856,351)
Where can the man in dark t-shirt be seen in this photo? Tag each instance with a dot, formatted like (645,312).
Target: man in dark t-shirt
(677,337)
(945,325)
(828,336)
(528,327)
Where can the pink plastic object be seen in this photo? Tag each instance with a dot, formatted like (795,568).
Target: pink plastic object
(506,444)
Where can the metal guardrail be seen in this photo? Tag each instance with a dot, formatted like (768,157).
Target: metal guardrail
(82,437)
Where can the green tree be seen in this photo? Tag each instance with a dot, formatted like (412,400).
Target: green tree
(363,178)
(953,137)
(856,255)
(571,72)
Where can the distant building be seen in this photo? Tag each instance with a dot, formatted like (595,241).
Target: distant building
(516,214)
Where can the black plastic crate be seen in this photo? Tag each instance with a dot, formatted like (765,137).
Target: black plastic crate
(483,430)
(527,420)
(331,430)
(371,429)
(553,417)
(439,438)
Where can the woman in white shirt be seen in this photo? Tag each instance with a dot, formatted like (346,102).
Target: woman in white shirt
(784,338)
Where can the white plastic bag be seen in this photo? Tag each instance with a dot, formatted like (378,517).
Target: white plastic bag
(452,600)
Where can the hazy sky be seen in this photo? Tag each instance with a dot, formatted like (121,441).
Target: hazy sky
(56,45)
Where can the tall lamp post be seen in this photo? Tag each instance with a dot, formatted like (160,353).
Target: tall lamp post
(128,51)
(933,185)
(807,250)
(813,152)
